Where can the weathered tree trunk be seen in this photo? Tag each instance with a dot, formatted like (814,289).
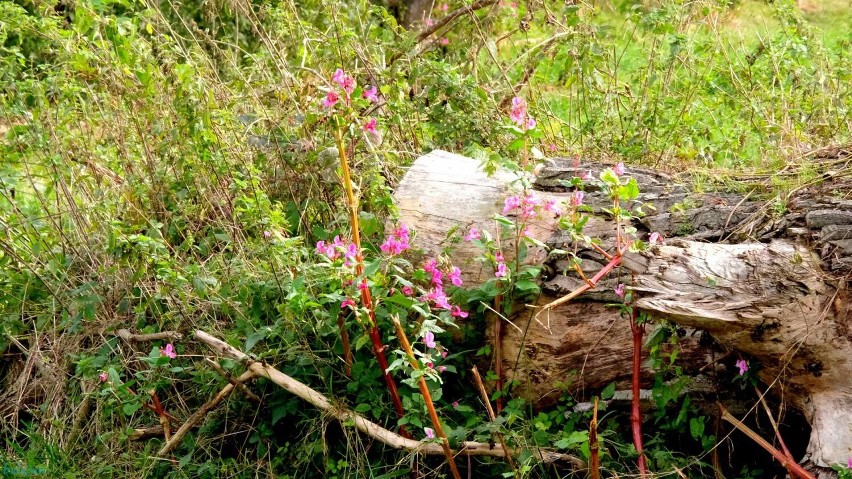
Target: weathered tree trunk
(778,297)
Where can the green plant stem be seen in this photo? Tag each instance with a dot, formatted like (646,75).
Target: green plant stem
(427,398)
(366,298)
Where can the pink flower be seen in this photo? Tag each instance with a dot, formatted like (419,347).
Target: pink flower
(331,99)
(370,126)
(363,285)
(444,41)
(103,376)
(551,205)
(348,303)
(267,234)
(619,291)
(402,232)
(473,234)
(551,147)
(438,296)
(350,255)
(429,339)
(338,76)
(577,198)
(170,351)
(586,175)
(519,115)
(501,272)
(442,369)
(430,433)
(430,266)
(511,203)
(345,81)
(849,463)
(526,233)
(655,238)
(455,276)
(743,365)
(407,290)
(371,94)
(430,365)
(445,7)
(444,353)
(498,256)
(619,169)
(429,22)
(458,313)
(455,404)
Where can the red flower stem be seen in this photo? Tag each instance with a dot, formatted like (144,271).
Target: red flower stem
(498,350)
(594,446)
(366,299)
(636,413)
(427,398)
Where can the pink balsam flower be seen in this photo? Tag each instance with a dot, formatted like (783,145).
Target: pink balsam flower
(103,376)
(458,313)
(655,238)
(407,290)
(370,126)
(455,276)
(430,433)
(619,291)
(371,94)
(348,303)
(429,339)
(473,234)
(331,99)
(501,272)
(170,351)
(743,366)
(619,169)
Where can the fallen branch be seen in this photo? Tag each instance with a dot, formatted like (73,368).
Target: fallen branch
(200,414)
(141,338)
(346,416)
(231,379)
(792,466)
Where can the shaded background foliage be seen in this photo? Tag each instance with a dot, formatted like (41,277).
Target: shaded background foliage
(147,147)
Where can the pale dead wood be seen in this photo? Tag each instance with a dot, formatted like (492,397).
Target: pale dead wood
(201,413)
(346,416)
(231,379)
(142,338)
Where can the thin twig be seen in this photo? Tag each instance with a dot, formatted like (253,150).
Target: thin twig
(201,413)
(788,463)
(492,417)
(231,379)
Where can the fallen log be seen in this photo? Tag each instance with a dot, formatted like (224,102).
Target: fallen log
(347,416)
(768,283)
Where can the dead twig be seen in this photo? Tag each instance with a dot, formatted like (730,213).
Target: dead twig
(231,379)
(200,414)
(785,461)
(492,417)
(142,338)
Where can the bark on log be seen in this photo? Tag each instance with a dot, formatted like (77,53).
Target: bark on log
(779,295)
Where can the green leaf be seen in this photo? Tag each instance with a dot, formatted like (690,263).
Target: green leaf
(608,391)
(130,407)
